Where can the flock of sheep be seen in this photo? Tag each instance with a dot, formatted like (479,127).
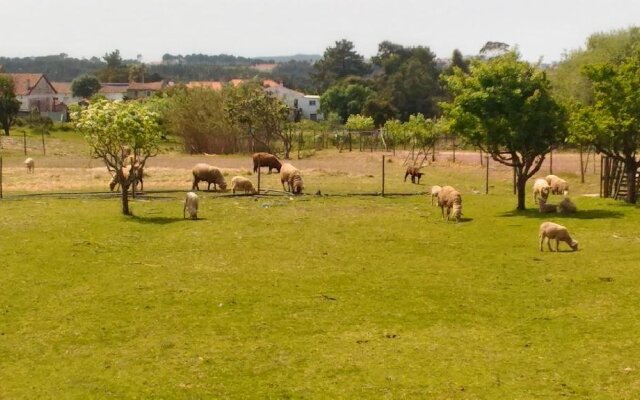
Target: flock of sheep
(447,197)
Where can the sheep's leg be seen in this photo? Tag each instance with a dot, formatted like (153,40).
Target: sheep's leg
(549,244)
(194,186)
(541,241)
(405,176)
(557,245)
(184,211)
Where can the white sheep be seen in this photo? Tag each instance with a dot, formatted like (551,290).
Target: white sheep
(558,185)
(242,183)
(541,188)
(566,206)
(434,192)
(545,207)
(550,230)
(450,198)
(207,173)
(30,164)
(190,206)
(291,175)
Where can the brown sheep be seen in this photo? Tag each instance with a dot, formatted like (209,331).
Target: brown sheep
(209,174)
(138,172)
(414,172)
(291,175)
(266,160)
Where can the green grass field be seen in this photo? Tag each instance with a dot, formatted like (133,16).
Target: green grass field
(316,297)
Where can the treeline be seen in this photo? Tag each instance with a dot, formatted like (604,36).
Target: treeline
(220,59)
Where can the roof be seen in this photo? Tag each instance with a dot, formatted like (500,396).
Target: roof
(213,85)
(24,83)
(114,88)
(62,87)
(146,86)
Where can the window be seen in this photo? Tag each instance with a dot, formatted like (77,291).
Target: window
(312,102)
(313,117)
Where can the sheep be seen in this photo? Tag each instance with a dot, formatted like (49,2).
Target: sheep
(242,183)
(414,172)
(450,198)
(558,185)
(30,164)
(209,174)
(541,188)
(434,192)
(544,207)
(190,206)
(291,175)
(266,160)
(138,172)
(566,206)
(552,230)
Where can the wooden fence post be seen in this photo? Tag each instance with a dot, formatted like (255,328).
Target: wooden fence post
(0,177)
(24,141)
(551,162)
(383,175)
(486,179)
(258,175)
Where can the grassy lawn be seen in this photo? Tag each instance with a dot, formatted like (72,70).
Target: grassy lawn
(316,297)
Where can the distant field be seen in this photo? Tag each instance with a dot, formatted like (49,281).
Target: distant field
(313,296)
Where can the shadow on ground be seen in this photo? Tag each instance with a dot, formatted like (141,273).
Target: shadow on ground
(581,214)
(160,220)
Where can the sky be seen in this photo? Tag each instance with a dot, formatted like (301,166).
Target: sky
(255,28)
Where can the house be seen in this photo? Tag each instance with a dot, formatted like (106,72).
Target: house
(35,91)
(141,90)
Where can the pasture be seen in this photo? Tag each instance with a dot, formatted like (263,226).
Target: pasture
(329,296)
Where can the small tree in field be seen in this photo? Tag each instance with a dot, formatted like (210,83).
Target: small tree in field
(116,131)
(9,105)
(504,107)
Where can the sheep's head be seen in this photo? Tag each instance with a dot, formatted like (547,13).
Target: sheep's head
(544,192)
(457,212)
(223,185)
(574,245)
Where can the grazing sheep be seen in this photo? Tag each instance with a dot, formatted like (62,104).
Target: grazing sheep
(450,198)
(552,230)
(242,183)
(209,174)
(566,206)
(414,172)
(434,192)
(30,164)
(541,188)
(190,206)
(558,185)
(544,207)
(138,172)
(266,160)
(291,175)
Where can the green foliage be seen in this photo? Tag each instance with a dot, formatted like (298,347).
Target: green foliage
(85,86)
(338,62)
(421,131)
(115,71)
(9,105)
(295,75)
(359,122)
(504,106)
(345,100)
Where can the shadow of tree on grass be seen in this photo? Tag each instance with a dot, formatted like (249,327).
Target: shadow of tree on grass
(160,220)
(581,214)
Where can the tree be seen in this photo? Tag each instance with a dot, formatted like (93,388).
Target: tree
(337,63)
(616,111)
(458,61)
(85,86)
(295,75)
(9,105)
(117,130)
(115,70)
(345,99)
(504,106)
(137,72)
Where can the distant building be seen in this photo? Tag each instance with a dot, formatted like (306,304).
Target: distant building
(35,91)
(141,90)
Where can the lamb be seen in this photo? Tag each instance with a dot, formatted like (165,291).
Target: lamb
(434,192)
(552,230)
(266,160)
(541,188)
(558,185)
(566,206)
(190,206)
(30,164)
(242,183)
(209,174)
(138,172)
(291,175)
(414,172)
(544,207)
(450,198)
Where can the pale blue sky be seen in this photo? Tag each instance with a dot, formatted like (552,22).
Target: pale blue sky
(251,28)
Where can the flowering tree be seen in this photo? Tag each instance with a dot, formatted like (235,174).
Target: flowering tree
(124,135)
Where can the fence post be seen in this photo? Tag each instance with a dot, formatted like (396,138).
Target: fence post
(514,181)
(551,162)
(0,177)
(383,174)
(486,179)
(24,141)
(258,175)
(44,150)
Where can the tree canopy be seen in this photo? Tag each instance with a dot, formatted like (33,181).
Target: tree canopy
(9,105)
(338,62)
(85,86)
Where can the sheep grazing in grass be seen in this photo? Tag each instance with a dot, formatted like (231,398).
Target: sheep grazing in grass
(241,183)
(414,172)
(557,184)
(566,206)
(434,192)
(30,164)
(450,198)
(550,230)
(545,207)
(138,172)
(291,175)
(266,160)
(207,173)
(190,206)
(541,188)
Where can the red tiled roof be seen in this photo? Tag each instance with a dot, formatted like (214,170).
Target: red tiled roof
(213,85)
(146,86)
(270,83)
(24,83)
(62,87)
(109,88)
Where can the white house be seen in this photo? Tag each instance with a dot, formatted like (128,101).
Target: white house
(309,104)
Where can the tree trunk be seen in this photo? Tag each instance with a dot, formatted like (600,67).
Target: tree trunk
(631,170)
(521,186)
(582,167)
(6,130)
(125,199)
